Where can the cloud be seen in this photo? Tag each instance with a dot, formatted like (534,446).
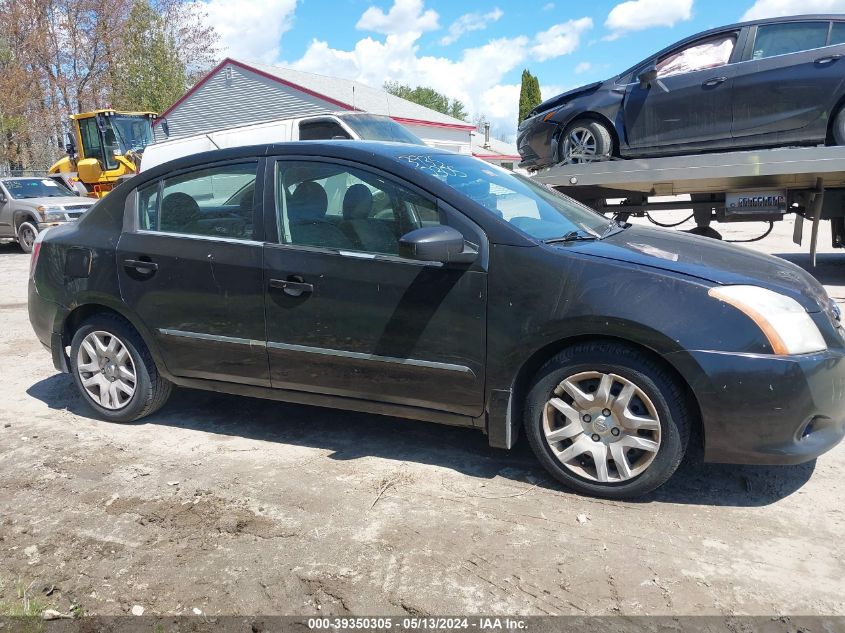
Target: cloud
(475,76)
(583,67)
(636,15)
(405,16)
(548,6)
(470,22)
(560,39)
(232,18)
(777,8)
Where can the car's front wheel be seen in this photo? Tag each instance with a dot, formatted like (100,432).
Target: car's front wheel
(27,233)
(606,420)
(584,141)
(114,372)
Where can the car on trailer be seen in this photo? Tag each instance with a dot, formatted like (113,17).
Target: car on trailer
(767,83)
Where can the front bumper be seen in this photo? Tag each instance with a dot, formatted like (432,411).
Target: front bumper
(759,409)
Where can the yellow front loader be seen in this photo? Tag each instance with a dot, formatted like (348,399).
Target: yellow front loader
(104,147)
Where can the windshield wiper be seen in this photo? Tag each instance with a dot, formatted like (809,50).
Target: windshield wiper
(572,236)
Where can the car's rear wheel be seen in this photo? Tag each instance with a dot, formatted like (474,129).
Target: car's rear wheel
(114,372)
(584,141)
(606,420)
(838,127)
(27,233)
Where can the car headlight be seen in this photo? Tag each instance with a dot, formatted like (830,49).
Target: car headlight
(783,321)
(54,216)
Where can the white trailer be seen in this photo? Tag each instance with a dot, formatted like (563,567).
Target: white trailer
(759,185)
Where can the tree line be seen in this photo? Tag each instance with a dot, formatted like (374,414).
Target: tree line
(59,57)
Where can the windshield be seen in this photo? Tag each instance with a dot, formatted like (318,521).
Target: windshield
(377,128)
(540,212)
(36,188)
(133,133)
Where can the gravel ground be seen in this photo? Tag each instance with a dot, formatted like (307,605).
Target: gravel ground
(228,505)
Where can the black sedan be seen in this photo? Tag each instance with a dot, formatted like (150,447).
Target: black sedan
(413,282)
(757,84)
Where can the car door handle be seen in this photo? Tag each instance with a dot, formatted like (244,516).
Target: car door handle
(821,61)
(714,82)
(140,265)
(293,286)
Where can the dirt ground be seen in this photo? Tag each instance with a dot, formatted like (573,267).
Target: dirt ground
(227,505)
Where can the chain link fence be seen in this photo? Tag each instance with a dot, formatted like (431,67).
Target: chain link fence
(6,172)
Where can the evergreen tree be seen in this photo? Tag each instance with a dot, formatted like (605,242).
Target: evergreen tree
(529,95)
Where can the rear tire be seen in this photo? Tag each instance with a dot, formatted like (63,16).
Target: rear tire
(838,127)
(584,141)
(114,371)
(624,432)
(26,234)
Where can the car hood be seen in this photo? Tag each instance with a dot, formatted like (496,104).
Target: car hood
(63,201)
(563,97)
(709,260)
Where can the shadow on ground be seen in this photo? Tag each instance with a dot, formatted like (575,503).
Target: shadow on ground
(8,247)
(351,435)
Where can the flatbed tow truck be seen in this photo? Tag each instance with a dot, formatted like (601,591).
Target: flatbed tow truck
(746,186)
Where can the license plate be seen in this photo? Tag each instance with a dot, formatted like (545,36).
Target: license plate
(763,202)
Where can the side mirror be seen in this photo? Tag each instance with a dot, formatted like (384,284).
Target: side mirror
(647,76)
(442,244)
(3,198)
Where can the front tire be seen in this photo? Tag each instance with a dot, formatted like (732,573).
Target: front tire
(606,420)
(27,233)
(584,141)
(114,371)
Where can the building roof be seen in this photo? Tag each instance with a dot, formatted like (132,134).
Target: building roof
(344,93)
(496,149)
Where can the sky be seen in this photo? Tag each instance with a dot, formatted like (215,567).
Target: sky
(475,50)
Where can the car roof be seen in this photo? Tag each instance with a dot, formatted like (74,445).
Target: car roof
(343,149)
(23,177)
(739,25)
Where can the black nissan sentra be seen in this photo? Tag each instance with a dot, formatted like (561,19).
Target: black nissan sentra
(413,282)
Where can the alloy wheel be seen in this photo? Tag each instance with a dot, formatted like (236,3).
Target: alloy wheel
(602,427)
(106,370)
(27,235)
(579,146)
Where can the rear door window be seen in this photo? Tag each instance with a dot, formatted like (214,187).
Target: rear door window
(789,37)
(216,201)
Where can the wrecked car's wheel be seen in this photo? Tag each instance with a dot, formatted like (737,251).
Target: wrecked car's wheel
(114,372)
(606,420)
(584,141)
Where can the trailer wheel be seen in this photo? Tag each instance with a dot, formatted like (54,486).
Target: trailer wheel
(584,141)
